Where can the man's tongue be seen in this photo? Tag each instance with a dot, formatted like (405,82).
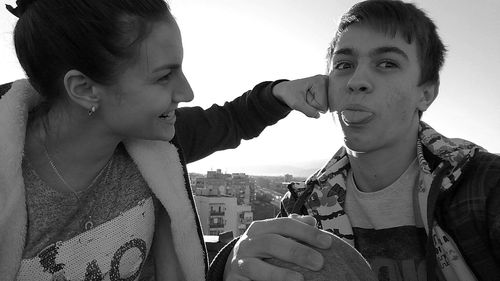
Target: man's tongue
(354,116)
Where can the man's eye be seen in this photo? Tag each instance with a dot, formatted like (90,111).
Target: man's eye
(387,64)
(342,65)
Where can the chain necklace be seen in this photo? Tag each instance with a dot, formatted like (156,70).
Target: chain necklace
(66,184)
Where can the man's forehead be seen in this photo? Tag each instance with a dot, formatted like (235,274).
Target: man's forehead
(360,38)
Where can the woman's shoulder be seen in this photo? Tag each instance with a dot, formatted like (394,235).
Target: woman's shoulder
(122,157)
(4,88)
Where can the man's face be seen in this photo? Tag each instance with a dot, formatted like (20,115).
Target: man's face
(373,89)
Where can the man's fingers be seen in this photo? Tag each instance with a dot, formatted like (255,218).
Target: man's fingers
(286,249)
(233,276)
(291,239)
(292,228)
(259,270)
(310,220)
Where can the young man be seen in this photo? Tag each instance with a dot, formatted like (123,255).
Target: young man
(417,205)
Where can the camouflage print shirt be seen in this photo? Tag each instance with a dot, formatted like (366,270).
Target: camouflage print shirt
(458,202)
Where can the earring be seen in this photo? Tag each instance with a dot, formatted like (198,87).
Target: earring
(92,110)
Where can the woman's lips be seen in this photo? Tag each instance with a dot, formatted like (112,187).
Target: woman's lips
(356,117)
(168,117)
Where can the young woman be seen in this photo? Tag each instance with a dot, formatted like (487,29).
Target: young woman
(93,147)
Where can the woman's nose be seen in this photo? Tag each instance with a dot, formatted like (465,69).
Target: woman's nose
(183,92)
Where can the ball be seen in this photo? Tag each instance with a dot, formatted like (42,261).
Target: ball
(342,262)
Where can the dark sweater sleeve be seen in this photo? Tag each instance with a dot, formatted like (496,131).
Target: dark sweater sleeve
(201,132)
(216,270)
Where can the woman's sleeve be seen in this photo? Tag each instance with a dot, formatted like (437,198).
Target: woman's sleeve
(201,132)
(217,266)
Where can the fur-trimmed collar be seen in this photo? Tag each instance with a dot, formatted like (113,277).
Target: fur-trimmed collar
(158,162)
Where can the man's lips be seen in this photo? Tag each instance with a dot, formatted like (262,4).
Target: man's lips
(356,115)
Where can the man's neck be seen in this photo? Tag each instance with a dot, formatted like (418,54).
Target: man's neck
(378,169)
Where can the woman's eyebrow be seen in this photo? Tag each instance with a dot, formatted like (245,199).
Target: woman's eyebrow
(166,66)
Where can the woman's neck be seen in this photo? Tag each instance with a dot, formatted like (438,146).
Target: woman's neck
(70,145)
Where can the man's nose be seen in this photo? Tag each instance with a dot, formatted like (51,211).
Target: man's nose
(360,82)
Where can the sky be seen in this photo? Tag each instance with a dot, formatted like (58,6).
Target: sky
(232,45)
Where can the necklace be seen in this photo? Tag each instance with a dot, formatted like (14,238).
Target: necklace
(65,183)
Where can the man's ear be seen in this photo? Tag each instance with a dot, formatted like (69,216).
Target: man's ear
(81,89)
(428,95)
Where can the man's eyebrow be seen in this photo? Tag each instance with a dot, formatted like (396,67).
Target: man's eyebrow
(344,51)
(388,49)
(377,51)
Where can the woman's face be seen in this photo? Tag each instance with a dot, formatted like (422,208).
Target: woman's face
(142,102)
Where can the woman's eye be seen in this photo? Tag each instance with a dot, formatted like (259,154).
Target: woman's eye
(341,65)
(165,77)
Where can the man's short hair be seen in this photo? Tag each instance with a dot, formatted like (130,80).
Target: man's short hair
(396,17)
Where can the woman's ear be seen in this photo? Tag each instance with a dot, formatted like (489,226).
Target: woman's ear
(428,95)
(81,89)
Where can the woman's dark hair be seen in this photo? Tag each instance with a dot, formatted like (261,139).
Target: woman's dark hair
(394,16)
(96,37)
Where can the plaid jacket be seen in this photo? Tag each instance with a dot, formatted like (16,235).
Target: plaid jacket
(458,201)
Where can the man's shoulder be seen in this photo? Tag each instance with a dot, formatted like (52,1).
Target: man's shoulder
(485,162)
(481,174)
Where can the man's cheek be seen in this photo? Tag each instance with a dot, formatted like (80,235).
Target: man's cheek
(334,99)
(401,104)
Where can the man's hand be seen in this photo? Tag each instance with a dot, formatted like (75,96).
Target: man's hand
(308,95)
(276,238)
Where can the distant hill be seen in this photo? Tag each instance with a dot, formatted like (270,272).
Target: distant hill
(305,170)
(279,170)
(271,169)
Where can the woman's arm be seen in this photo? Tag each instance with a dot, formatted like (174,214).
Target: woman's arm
(201,132)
